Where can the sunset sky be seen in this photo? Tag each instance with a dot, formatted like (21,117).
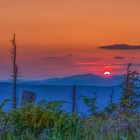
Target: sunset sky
(57,38)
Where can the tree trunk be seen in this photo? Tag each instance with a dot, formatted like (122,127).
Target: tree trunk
(15,71)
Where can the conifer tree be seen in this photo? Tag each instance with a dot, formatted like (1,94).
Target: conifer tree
(130,100)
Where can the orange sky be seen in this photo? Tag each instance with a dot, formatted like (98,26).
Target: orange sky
(59,27)
(89,22)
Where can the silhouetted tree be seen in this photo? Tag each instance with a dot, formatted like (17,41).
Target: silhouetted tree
(15,70)
(74,104)
(130,99)
(111,97)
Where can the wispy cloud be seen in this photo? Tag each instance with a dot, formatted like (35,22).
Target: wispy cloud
(119,57)
(51,57)
(69,55)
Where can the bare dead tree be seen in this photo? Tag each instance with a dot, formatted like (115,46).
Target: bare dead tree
(15,70)
(74,104)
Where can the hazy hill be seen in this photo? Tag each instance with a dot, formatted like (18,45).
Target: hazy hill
(87,79)
(61,88)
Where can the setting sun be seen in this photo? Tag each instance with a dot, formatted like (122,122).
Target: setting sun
(107,73)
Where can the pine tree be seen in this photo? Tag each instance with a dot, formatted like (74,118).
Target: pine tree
(130,99)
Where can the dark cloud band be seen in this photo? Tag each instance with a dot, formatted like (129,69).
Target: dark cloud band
(120,47)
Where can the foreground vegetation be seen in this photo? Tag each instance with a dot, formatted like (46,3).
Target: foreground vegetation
(47,121)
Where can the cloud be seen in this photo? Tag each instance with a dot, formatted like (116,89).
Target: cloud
(119,57)
(120,47)
(69,54)
(51,57)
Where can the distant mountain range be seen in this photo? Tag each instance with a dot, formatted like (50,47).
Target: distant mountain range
(86,79)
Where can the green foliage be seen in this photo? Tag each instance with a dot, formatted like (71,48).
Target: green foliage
(55,106)
(36,118)
(3,104)
(111,109)
(91,104)
(47,121)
